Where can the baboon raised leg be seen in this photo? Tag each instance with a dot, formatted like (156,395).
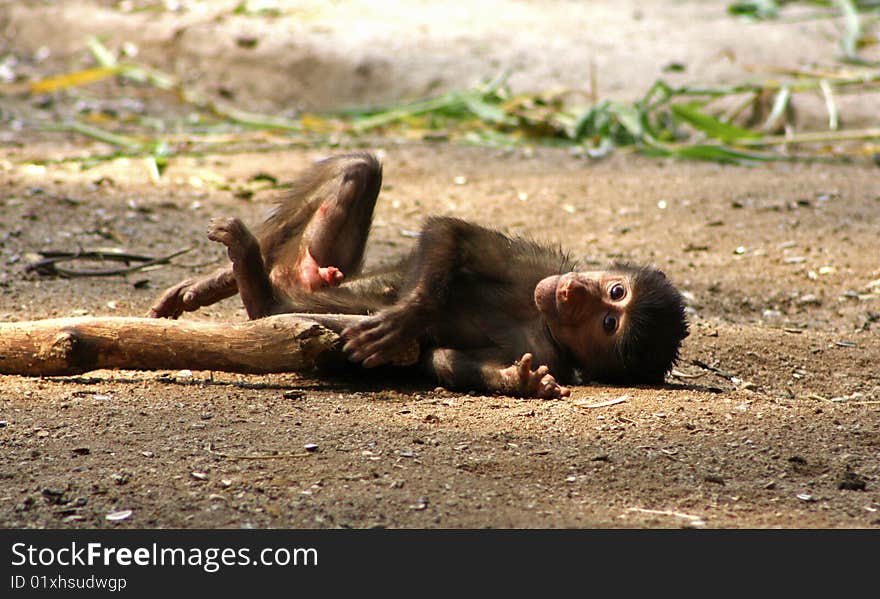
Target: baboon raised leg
(313,238)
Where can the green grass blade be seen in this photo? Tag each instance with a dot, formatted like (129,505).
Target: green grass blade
(587,125)
(628,117)
(756,9)
(709,125)
(102,55)
(447,102)
(780,105)
(830,105)
(720,154)
(489,113)
(114,139)
(849,43)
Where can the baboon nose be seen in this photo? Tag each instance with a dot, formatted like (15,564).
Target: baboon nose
(573,291)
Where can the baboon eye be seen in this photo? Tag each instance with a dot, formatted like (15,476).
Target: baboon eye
(618,291)
(609,323)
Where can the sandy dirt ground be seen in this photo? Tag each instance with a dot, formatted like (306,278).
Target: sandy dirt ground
(772,418)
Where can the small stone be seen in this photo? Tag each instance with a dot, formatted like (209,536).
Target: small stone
(808,299)
(73,518)
(199,475)
(420,505)
(120,478)
(54,496)
(310,447)
(118,515)
(851,481)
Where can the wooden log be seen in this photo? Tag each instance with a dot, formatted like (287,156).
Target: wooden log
(282,343)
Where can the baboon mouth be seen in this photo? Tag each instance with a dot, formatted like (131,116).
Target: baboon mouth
(546,296)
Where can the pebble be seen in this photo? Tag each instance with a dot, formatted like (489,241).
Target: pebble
(119,515)
(73,518)
(852,481)
(419,505)
(808,299)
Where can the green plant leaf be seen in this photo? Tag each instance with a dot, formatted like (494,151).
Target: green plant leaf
(719,154)
(709,125)
(485,111)
(756,9)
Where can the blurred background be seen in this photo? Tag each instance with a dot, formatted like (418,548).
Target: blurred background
(665,76)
